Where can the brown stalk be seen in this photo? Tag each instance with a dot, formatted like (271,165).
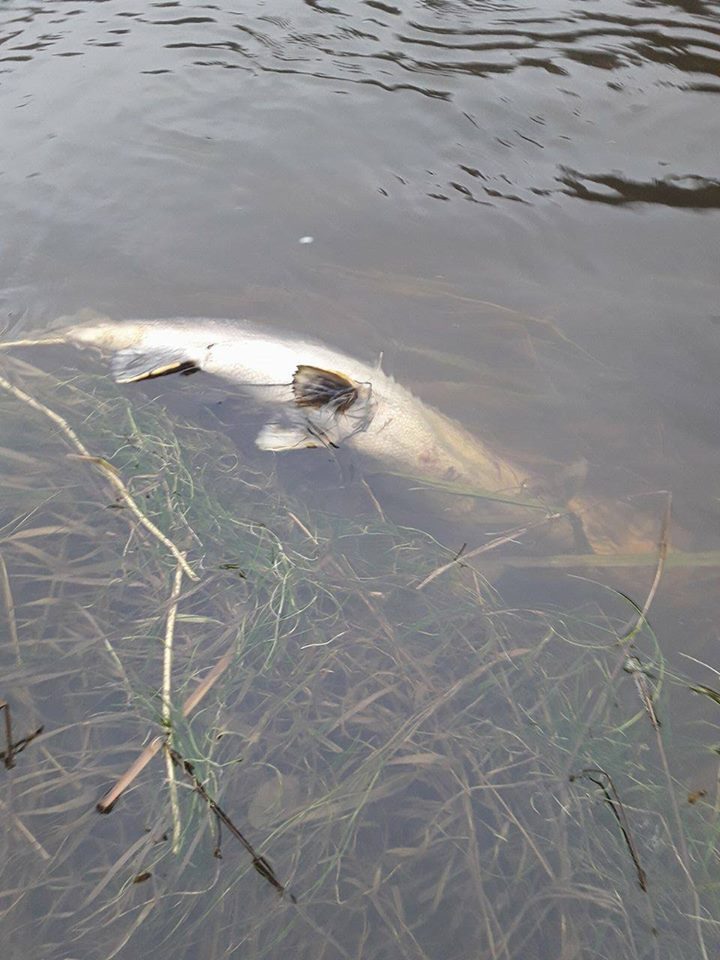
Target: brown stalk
(259,862)
(13,747)
(612,799)
(108,801)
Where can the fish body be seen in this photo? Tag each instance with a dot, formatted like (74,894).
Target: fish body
(318,396)
(385,421)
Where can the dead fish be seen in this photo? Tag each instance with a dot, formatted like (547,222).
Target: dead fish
(318,396)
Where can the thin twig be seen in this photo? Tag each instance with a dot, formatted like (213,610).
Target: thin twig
(634,667)
(373,499)
(485,548)
(22,829)
(8,755)
(612,799)
(108,801)
(637,622)
(19,745)
(259,862)
(12,748)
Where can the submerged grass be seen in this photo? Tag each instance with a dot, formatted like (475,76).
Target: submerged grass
(412,764)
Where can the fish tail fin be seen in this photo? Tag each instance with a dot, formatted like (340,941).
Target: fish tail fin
(83,328)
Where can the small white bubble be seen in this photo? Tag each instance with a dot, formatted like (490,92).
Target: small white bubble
(306,240)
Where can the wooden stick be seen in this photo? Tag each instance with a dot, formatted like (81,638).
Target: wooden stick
(108,801)
(9,753)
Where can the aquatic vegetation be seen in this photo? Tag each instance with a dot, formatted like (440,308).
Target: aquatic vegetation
(429,772)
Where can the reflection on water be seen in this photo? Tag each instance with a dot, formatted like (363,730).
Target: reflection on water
(516,205)
(673,191)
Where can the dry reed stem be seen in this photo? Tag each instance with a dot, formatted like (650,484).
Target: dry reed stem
(115,479)
(8,753)
(59,421)
(675,559)
(22,829)
(298,522)
(107,468)
(9,608)
(107,802)
(374,500)
(636,623)
(485,548)
(167,704)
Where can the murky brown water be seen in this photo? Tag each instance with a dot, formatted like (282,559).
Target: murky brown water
(517,204)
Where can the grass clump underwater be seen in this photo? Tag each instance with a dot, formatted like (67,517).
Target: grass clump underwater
(427,773)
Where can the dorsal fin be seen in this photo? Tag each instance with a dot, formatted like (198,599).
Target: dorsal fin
(315,387)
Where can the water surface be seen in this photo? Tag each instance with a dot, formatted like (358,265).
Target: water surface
(516,204)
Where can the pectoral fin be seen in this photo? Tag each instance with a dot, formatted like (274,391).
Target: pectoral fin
(315,387)
(277,438)
(328,408)
(129,365)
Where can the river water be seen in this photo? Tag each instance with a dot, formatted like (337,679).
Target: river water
(516,205)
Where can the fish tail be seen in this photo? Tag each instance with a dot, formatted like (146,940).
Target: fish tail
(134,355)
(84,328)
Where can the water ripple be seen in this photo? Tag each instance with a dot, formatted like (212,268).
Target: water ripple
(689,191)
(540,91)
